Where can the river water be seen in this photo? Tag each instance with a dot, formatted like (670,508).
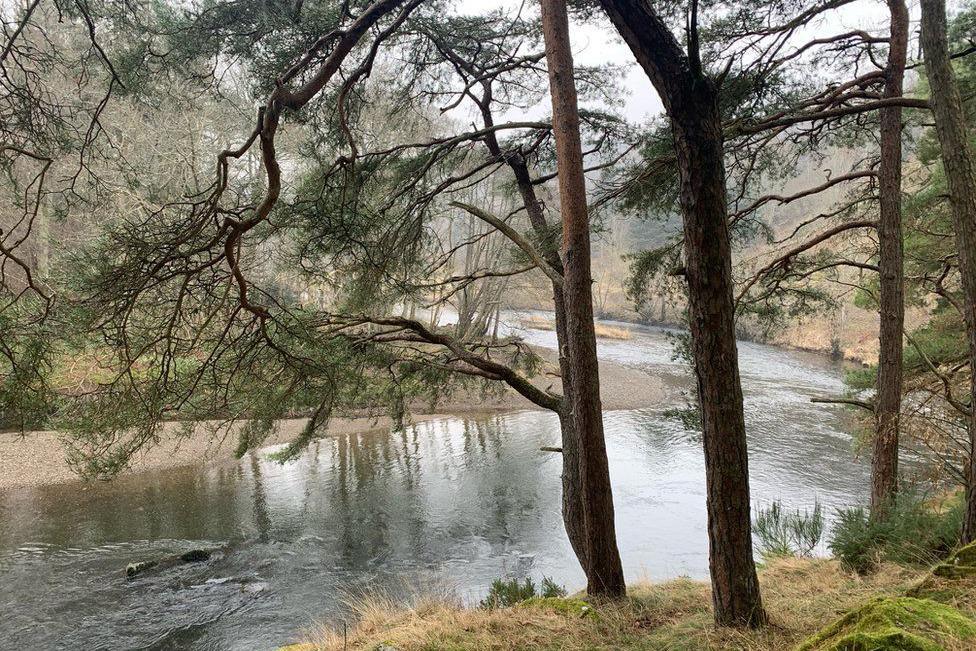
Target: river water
(448,504)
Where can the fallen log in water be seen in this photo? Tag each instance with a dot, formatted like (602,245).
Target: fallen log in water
(192,556)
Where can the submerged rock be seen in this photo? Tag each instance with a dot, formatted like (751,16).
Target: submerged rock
(894,624)
(196,556)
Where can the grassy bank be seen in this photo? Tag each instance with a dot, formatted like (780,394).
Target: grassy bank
(802,596)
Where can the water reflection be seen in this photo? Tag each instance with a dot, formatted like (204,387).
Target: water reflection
(455,501)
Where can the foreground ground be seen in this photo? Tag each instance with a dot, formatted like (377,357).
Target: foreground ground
(802,596)
(38,458)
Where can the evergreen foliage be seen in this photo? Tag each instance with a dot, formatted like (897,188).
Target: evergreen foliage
(913,532)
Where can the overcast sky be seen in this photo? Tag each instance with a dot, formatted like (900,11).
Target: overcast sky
(598,43)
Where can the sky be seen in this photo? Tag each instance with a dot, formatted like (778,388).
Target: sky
(597,43)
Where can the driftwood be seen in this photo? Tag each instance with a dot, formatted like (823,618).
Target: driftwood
(192,556)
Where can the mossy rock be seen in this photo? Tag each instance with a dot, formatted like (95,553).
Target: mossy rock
(962,563)
(894,624)
(573,607)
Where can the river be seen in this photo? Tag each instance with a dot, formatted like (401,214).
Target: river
(448,504)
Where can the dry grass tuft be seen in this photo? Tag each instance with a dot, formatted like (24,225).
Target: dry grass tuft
(801,596)
(604,331)
(956,592)
(611,332)
(538,322)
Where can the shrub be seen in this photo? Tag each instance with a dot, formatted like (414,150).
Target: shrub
(854,540)
(551,589)
(782,533)
(504,593)
(913,533)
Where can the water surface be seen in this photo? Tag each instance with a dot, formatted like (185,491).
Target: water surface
(451,503)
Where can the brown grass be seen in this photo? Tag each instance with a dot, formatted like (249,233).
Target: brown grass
(537,322)
(801,596)
(603,330)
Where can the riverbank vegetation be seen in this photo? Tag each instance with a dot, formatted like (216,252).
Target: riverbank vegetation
(802,596)
(236,211)
(893,585)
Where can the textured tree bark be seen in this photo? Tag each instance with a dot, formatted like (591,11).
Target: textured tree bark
(572,481)
(960,171)
(708,265)
(603,568)
(884,462)
(691,101)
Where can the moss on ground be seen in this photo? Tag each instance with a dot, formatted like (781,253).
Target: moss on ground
(895,624)
(562,605)
(961,564)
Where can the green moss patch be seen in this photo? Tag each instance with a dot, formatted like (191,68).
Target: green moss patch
(572,607)
(894,624)
(961,563)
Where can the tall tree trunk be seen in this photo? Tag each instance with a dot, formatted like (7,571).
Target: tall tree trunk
(884,462)
(691,100)
(572,504)
(572,481)
(497,316)
(605,575)
(708,265)
(960,171)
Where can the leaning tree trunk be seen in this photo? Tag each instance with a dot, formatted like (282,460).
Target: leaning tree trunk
(884,462)
(960,171)
(691,100)
(603,569)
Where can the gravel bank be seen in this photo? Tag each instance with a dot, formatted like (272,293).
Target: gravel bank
(38,458)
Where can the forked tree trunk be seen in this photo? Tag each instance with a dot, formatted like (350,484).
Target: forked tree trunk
(603,569)
(960,171)
(884,462)
(691,101)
